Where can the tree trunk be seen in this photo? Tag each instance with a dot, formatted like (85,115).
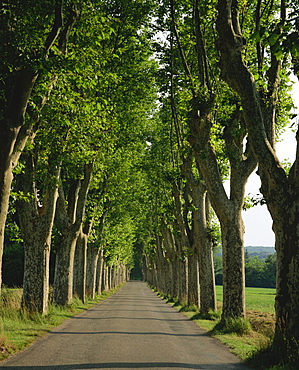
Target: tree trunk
(287,283)
(181,246)
(79,284)
(159,264)
(168,279)
(93,253)
(100,267)
(12,141)
(201,245)
(233,267)
(36,223)
(63,281)
(200,121)
(110,272)
(207,278)
(206,263)
(183,291)
(279,190)
(64,268)
(94,257)
(193,280)
(106,278)
(36,270)
(230,217)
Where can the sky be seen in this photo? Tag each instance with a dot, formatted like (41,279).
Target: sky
(258,223)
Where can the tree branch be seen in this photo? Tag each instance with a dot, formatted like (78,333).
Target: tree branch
(182,53)
(239,78)
(55,28)
(65,33)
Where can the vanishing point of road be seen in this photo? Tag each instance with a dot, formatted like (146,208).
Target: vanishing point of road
(133,329)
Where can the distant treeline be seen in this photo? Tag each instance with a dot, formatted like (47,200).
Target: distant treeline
(259,271)
(260,252)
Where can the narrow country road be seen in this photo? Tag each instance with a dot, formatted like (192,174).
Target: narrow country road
(133,329)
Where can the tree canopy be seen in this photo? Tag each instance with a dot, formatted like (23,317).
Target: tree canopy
(120,122)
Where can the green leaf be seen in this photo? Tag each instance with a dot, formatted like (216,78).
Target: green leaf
(273,38)
(256,36)
(279,54)
(295,50)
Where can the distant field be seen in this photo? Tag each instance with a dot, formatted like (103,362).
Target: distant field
(257,299)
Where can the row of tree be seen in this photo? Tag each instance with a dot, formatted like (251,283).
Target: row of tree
(120,122)
(72,129)
(224,77)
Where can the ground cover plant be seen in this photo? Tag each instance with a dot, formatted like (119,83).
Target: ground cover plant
(19,328)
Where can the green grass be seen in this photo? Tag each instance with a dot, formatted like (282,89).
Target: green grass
(18,328)
(257,299)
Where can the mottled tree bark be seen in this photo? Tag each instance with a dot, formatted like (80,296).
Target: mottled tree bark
(106,278)
(193,279)
(279,190)
(206,263)
(36,219)
(99,277)
(94,252)
(92,262)
(201,254)
(242,164)
(80,261)
(69,221)
(168,259)
(229,214)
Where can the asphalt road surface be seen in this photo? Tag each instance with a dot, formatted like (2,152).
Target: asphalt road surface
(133,329)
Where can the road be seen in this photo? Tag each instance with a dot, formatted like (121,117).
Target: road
(133,329)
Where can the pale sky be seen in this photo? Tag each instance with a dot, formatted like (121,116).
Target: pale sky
(258,223)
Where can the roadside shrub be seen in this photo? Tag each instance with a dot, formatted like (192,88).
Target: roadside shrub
(211,315)
(189,308)
(10,300)
(237,325)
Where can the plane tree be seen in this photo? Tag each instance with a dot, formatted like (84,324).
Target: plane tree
(260,108)
(77,130)
(179,222)
(64,134)
(34,39)
(52,150)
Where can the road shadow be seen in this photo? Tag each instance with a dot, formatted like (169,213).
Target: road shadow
(134,365)
(127,333)
(127,318)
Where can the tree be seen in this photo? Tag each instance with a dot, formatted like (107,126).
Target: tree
(254,270)
(36,216)
(279,188)
(260,272)
(270,271)
(196,64)
(95,246)
(25,57)
(69,217)
(74,121)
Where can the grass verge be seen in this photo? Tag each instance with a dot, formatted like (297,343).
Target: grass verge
(18,328)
